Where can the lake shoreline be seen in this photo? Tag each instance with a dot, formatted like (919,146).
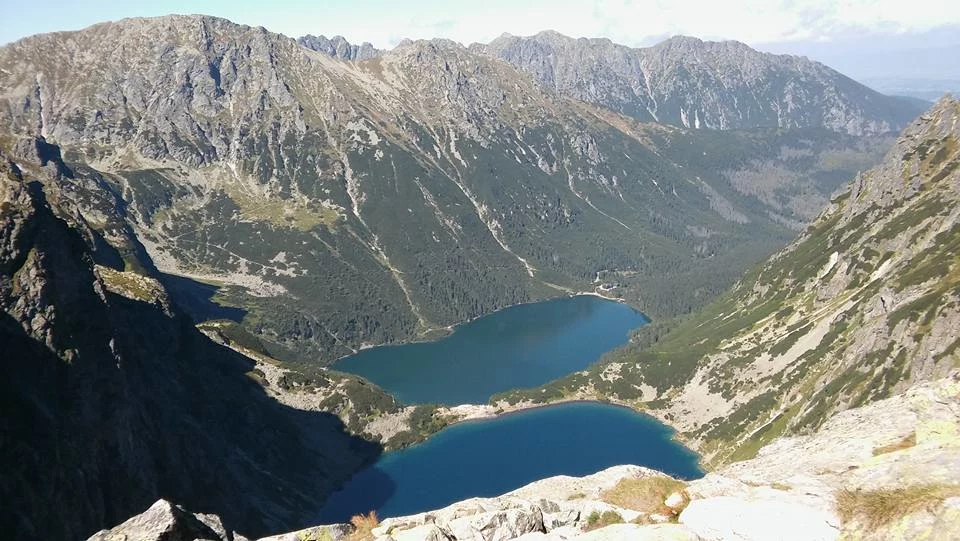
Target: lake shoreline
(528,345)
(502,410)
(567,334)
(451,385)
(509,452)
(450,329)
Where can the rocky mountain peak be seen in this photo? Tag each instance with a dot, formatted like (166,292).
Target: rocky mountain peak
(681,40)
(939,123)
(726,55)
(338,47)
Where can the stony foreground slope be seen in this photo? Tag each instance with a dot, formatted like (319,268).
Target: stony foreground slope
(883,471)
(864,303)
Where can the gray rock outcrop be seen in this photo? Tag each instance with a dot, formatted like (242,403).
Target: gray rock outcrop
(164,521)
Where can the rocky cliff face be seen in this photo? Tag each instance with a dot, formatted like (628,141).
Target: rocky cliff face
(717,85)
(883,471)
(111,398)
(348,203)
(863,304)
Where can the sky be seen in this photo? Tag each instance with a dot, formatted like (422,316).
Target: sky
(835,31)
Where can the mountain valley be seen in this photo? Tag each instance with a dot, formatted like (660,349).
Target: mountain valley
(199,218)
(859,307)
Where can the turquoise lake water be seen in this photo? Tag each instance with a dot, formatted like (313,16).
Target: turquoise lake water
(490,457)
(522,346)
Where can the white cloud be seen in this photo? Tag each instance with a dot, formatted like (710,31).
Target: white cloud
(636,22)
(632,22)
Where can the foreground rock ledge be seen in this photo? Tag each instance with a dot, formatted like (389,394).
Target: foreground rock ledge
(797,488)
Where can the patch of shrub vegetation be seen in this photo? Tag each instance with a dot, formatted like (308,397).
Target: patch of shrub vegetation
(258,376)
(235,334)
(829,395)
(925,307)
(784,344)
(925,209)
(907,442)
(295,380)
(597,520)
(363,526)
(368,399)
(934,262)
(645,494)
(877,508)
(744,415)
(424,421)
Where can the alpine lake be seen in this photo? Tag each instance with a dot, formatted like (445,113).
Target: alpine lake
(522,346)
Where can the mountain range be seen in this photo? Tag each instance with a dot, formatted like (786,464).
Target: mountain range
(686,82)
(347,203)
(884,468)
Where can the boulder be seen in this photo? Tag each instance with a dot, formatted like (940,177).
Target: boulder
(636,532)
(498,525)
(748,519)
(164,521)
(560,518)
(427,532)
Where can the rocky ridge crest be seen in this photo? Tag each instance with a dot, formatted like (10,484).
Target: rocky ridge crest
(339,47)
(701,84)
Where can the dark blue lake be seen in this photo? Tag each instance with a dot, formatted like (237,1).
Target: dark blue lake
(522,346)
(490,457)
